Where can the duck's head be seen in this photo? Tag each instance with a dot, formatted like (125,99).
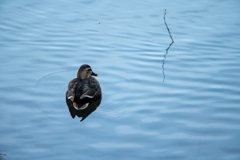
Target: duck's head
(85,71)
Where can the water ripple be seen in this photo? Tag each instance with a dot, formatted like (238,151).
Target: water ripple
(194,114)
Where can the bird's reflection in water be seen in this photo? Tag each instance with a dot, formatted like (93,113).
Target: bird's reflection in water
(164,60)
(82,113)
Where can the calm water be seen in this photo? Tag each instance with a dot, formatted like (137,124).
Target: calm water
(193,115)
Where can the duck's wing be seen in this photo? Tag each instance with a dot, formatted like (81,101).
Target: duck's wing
(84,94)
(71,89)
(91,89)
(70,96)
(88,92)
(70,106)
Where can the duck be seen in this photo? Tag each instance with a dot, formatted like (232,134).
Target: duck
(84,93)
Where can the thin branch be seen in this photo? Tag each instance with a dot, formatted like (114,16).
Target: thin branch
(167,27)
(168,46)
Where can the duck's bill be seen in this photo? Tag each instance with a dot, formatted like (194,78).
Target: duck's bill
(94,74)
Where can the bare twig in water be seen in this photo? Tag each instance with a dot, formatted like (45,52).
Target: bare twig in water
(168,46)
(167,27)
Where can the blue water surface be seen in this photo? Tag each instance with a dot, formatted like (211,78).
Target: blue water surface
(187,108)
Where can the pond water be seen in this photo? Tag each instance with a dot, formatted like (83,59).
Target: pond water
(183,109)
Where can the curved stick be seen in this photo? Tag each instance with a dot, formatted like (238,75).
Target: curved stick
(168,46)
(167,27)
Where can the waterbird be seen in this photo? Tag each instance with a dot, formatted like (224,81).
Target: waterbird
(84,93)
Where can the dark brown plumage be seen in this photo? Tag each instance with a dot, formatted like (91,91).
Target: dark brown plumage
(84,93)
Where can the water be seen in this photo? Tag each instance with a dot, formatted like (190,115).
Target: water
(189,112)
